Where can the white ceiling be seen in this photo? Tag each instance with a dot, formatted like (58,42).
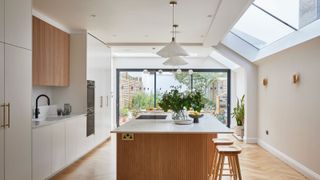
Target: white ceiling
(150,51)
(145,21)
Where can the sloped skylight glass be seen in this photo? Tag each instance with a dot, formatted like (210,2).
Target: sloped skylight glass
(259,28)
(286,10)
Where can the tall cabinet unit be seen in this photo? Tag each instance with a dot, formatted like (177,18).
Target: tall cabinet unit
(15,89)
(98,62)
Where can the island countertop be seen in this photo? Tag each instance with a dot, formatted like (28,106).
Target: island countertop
(207,124)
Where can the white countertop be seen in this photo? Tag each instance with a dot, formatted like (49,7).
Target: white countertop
(207,124)
(53,120)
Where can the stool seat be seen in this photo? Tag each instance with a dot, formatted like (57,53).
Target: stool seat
(229,149)
(222,141)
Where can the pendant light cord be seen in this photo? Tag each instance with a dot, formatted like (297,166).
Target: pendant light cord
(173,27)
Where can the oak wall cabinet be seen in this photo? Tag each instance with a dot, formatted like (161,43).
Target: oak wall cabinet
(50,58)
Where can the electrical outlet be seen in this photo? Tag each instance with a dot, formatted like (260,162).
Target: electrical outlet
(267,132)
(127,137)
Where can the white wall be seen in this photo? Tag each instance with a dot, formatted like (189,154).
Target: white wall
(289,111)
(237,89)
(251,90)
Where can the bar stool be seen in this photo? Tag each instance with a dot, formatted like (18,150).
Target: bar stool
(218,142)
(231,152)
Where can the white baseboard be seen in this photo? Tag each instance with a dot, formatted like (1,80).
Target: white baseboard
(250,140)
(288,160)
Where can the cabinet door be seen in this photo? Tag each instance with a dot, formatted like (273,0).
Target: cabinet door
(1,20)
(18,23)
(58,147)
(109,92)
(1,111)
(41,152)
(72,141)
(18,94)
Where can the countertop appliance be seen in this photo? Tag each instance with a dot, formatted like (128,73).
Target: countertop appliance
(90,107)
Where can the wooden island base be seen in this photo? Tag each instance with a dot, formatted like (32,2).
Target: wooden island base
(164,157)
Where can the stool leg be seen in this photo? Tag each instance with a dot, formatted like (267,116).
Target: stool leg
(214,161)
(234,168)
(217,165)
(238,167)
(221,168)
(230,168)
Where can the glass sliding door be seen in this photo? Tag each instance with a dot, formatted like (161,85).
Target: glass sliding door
(166,80)
(136,93)
(139,91)
(214,85)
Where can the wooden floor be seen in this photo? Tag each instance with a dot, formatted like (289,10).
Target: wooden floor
(255,163)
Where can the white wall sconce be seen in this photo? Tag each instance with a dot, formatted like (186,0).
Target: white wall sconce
(295,78)
(265,82)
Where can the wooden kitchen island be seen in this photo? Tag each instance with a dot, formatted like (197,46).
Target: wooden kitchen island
(162,150)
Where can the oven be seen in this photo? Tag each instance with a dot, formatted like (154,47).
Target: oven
(90,107)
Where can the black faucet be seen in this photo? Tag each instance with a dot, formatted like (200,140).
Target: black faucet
(37,108)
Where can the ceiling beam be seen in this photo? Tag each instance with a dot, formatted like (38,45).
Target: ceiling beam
(227,14)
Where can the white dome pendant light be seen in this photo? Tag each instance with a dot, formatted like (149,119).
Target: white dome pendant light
(175,61)
(173,48)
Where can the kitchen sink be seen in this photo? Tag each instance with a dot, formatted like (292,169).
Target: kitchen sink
(152,117)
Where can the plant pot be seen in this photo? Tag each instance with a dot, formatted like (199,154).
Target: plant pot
(239,131)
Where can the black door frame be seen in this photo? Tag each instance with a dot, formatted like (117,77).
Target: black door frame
(228,71)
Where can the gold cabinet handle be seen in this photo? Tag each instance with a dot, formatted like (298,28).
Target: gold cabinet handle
(9,117)
(4,115)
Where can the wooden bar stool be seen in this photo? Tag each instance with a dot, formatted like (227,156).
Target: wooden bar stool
(218,142)
(230,152)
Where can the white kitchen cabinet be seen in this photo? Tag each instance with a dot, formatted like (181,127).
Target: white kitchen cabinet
(84,141)
(72,140)
(58,146)
(109,93)
(1,21)
(1,111)
(18,22)
(98,69)
(41,152)
(18,94)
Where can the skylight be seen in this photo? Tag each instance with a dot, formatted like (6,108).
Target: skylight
(267,21)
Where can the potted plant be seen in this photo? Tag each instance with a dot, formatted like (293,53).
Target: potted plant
(175,101)
(238,114)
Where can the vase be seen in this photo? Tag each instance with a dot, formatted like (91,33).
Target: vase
(179,115)
(195,120)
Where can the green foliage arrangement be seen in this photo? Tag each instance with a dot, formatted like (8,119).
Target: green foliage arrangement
(173,100)
(176,101)
(195,100)
(238,111)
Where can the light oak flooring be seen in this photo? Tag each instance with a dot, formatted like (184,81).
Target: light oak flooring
(255,162)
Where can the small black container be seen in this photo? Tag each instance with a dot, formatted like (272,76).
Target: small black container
(196,120)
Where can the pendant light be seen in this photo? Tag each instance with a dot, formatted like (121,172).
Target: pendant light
(175,61)
(173,48)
